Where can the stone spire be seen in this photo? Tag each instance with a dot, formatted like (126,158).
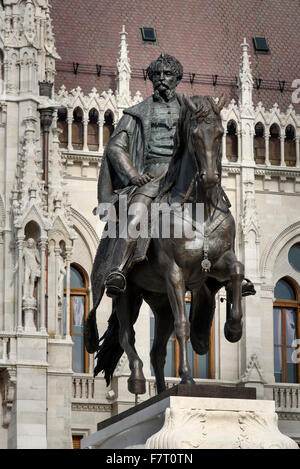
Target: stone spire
(123,73)
(245,79)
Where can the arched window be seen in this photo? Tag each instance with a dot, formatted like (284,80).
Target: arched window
(77,129)
(286,317)
(294,256)
(231,142)
(63,125)
(274,145)
(93,133)
(259,144)
(290,146)
(201,365)
(108,126)
(78,313)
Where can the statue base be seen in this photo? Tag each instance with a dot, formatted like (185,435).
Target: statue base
(30,309)
(194,417)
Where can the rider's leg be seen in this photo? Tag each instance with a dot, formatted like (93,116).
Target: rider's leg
(125,246)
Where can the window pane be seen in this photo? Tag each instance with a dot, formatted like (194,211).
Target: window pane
(278,364)
(76,279)
(78,347)
(170,359)
(78,354)
(277,326)
(290,325)
(294,257)
(203,366)
(284,291)
(291,366)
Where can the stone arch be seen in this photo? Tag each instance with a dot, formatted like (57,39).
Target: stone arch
(272,270)
(86,243)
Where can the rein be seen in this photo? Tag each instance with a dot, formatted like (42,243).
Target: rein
(206,263)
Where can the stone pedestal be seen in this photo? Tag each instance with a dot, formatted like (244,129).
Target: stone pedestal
(187,422)
(29,308)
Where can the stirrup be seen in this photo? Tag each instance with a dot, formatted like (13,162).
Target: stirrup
(115,283)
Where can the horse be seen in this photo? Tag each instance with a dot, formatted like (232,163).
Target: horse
(176,265)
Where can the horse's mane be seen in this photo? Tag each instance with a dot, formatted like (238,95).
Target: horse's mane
(205,108)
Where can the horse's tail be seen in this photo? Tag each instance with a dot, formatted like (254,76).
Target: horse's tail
(110,351)
(201,315)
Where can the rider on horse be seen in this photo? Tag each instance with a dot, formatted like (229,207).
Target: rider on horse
(138,154)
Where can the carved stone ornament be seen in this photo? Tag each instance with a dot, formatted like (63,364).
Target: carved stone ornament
(8,388)
(221,424)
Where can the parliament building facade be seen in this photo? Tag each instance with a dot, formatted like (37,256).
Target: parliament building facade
(67,72)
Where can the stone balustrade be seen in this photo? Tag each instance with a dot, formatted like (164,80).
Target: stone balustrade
(286,397)
(7,348)
(83,387)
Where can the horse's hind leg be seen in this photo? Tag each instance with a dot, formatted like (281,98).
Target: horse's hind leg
(164,326)
(128,305)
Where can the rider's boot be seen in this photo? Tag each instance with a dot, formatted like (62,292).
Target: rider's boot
(115,281)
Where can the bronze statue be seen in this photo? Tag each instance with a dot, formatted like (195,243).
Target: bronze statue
(161,270)
(138,154)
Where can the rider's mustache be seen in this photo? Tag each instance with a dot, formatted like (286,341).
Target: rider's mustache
(162,82)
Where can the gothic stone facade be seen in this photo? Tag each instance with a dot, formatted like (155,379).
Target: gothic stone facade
(48,230)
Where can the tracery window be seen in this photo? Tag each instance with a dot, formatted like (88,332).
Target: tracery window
(231,142)
(274,145)
(93,133)
(63,125)
(78,313)
(108,126)
(290,146)
(259,144)
(77,129)
(286,317)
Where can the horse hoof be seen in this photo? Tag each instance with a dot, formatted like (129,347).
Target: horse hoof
(233,331)
(188,381)
(137,386)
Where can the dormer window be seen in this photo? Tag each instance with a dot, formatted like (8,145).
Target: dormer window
(260,45)
(148,35)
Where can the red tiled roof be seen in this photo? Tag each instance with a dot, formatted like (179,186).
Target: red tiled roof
(205,35)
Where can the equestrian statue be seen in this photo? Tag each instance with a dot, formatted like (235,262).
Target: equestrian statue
(165,150)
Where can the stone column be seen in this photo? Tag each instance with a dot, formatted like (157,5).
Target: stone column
(43,244)
(85,134)
(68,289)
(239,139)
(100,134)
(57,324)
(282,139)
(267,137)
(224,155)
(297,140)
(70,122)
(20,245)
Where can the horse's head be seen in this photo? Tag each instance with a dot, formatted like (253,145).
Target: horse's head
(204,131)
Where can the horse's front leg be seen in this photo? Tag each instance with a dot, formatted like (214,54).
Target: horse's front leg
(176,294)
(229,268)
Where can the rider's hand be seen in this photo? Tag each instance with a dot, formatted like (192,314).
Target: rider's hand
(141,180)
